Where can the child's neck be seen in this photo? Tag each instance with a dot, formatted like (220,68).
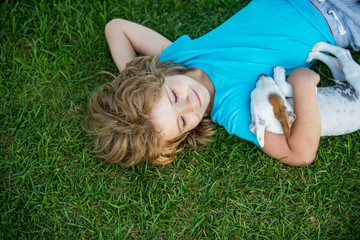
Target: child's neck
(204,79)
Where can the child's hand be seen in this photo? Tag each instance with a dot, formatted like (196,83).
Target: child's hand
(303,76)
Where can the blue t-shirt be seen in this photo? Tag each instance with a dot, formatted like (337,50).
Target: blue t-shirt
(262,35)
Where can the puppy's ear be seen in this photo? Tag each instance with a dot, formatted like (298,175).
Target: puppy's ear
(280,112)
(258,128)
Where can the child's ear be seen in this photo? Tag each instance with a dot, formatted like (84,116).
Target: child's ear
(280,112)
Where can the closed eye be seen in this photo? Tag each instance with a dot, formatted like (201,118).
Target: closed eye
(183,121)
(175,96)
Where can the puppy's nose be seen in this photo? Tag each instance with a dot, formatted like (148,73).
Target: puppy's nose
(261,75)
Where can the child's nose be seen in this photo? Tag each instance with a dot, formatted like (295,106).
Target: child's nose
(188,104)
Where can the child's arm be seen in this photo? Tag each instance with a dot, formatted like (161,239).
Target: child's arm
(301,147)
(126,38)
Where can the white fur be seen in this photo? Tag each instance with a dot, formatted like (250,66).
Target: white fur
(339,105)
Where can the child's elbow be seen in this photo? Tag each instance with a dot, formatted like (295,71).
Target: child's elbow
(302,159)
(112,25)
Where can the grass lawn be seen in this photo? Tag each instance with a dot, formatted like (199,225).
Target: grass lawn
(53,187)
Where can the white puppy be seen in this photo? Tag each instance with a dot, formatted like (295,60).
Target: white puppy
(339,105)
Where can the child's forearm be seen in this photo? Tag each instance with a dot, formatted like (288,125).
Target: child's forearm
(301,147)
(121,49)
(306,130)
(126,39)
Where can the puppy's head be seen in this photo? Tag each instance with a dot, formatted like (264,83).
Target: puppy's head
(270,110)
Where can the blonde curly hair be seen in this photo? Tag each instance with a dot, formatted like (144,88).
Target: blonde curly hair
(119,116)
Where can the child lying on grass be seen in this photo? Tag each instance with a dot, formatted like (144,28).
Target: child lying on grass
(165,99)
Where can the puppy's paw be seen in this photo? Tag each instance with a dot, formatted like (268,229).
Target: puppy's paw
(319,47)
(279,72)
(312,56)
(280,79)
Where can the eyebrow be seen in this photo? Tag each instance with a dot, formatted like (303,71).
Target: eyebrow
(177,122)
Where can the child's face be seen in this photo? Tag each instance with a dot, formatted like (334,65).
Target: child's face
(181,107)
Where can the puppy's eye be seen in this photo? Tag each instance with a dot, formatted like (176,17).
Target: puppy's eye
(175,95)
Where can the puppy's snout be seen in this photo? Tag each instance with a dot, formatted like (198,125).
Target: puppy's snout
(261,76)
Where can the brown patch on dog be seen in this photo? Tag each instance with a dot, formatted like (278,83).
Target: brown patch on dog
(280,112)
